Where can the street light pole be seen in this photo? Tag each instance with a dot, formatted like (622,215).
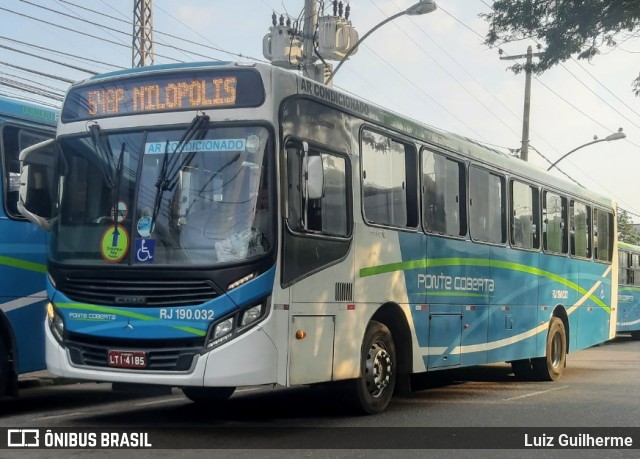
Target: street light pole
(615,136)
(422,7)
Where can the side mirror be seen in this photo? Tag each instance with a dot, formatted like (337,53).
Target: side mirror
(314,177)
(26,187)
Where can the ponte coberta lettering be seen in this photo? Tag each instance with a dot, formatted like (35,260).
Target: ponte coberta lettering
(461,283)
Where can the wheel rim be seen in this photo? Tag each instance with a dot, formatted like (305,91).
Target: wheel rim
(556,350)
(378,370)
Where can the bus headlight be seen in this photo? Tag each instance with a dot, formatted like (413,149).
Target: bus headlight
(227,328)
(223,328)
(56,324)
(251,315)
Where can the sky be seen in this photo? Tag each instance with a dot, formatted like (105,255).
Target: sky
(433,68)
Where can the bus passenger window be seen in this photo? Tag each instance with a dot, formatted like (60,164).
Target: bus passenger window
(579,229)
(554,230)
(602,234)
(525,220)
(444,195)
(487,206)
(389,181)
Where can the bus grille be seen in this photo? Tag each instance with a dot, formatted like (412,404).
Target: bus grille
(173,357)
(143,293)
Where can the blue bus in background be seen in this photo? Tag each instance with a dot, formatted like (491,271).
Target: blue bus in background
(629,290)
(22,244)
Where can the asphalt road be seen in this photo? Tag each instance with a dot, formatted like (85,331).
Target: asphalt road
(600,390)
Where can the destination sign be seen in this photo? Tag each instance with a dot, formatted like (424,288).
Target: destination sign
(153,93)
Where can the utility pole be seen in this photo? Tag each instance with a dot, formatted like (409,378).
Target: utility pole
(524,151)
(310,69)
(326,37)
(142,46)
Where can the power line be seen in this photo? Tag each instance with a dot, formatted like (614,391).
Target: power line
(48,75)
(435,61)
(90,72)
(104,40)
(60,52)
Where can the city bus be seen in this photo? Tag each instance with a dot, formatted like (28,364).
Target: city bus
(219,225)
(629,290)
(23,246)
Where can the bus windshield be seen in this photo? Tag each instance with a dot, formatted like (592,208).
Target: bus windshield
(152,197)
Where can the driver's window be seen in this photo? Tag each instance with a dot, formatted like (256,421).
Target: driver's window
(327,214)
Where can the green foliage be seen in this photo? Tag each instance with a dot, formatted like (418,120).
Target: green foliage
(626,231)
(565,28)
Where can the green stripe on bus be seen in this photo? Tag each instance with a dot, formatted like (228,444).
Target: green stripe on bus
(28,265)
(477,295)
(133,315)
(440,262)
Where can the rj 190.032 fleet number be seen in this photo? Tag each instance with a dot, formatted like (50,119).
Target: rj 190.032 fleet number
(186,314)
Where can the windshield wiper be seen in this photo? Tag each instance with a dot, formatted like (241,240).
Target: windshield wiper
(115,196)
(168,177)
(105,154)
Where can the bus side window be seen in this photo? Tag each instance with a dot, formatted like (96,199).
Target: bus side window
(443,195)
(525,211)
(15,139)
(554,227)
(603,235)
(389,181)
(487,206)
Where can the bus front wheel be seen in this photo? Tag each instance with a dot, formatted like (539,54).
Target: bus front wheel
(208,395)
(551,366)
(378,368)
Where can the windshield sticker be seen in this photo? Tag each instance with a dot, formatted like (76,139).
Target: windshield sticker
(145,250)
(145,226)
(114,244)
(158,148)
(122,212)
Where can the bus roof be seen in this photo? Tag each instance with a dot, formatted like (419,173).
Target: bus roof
(28,111)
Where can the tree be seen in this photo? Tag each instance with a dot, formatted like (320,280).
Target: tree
(626,232)
(564,27)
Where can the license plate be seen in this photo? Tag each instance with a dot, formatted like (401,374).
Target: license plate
(127,359)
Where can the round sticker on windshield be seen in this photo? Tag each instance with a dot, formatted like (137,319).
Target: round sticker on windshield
(114,244)
(253,144)
(122,212)
(145,226)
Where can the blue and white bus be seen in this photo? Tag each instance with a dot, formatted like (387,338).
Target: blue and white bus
(22,244)
(220,225)
(629,290)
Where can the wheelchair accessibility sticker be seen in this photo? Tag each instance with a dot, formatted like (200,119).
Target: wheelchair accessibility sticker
(145,250)
(114,244)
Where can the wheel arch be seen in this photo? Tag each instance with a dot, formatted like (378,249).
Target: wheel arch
(561,313)
(394,317)
(8,339)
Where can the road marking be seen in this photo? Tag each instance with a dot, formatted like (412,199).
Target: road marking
(76,413)
(249,389)
(158,402)
(535,393)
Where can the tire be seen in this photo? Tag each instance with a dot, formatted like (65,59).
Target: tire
(5,373)
(551,367)
(635,335)
(373,390)
(208,395)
